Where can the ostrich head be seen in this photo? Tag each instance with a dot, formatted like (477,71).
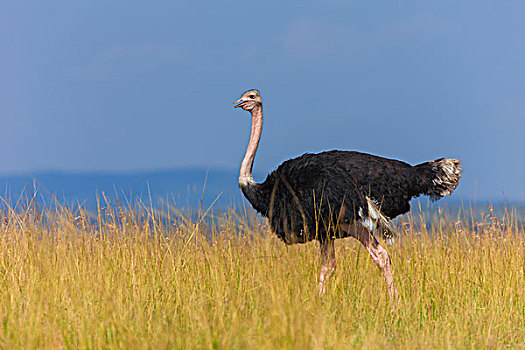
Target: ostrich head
(249,100)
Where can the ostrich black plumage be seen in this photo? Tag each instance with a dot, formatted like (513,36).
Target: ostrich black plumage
(338,194)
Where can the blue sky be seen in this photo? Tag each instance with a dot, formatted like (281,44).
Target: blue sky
(127,85)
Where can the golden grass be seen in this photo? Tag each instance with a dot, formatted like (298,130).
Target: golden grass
(144,279)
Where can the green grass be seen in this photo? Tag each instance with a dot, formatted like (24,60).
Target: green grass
(145,279)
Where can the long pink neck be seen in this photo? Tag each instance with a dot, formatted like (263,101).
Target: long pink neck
(245,174)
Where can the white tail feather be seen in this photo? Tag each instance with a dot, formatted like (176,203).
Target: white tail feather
(448,173)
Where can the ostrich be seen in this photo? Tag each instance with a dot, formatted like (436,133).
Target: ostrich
(337,194)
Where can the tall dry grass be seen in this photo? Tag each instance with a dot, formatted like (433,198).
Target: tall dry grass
(145,278)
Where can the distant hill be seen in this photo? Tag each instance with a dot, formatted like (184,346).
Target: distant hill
(182,187)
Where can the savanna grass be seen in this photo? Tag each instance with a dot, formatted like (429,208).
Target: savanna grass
(144,278)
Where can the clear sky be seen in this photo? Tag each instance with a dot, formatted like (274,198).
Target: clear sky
(126,85)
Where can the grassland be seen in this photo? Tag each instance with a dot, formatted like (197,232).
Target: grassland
(146,278)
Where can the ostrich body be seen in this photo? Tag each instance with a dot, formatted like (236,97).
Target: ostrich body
(338,194)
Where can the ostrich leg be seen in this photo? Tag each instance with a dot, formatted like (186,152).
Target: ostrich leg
(327,264)
(380,257)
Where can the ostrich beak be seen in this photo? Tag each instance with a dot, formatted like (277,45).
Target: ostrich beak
(238,103)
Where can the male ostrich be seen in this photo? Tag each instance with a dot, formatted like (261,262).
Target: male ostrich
(338,194)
